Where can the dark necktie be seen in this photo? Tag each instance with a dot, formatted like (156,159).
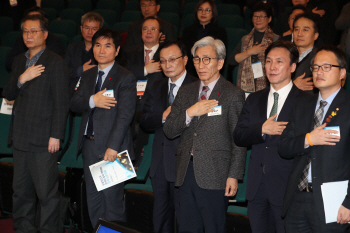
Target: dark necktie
(275,105)
(90,128)
(318,117)
(171,93)
(203,95)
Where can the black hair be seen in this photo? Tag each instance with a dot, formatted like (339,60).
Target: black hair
(157,1)
(309,17)
(293,51)
(154,18)
(178,43)
(44,22)
(340,55)
(35,9)
(108,33)
(298,7)
(214,10)
(265,7)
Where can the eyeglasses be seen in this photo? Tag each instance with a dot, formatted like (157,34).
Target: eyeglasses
(204,11)
(325,67)
(171,60)
(146,29)
(259,17)
(205,60)
(150,5)
(87,28)
(32,32)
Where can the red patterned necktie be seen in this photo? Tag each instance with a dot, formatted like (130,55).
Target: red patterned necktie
(203,95)
(147,58)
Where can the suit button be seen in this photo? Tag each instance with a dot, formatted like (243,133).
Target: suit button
(195,134)
(267,147)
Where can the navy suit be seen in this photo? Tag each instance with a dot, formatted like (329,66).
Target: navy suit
(267,173)
(162,169)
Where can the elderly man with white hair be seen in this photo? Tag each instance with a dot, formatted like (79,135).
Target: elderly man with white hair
(208,162)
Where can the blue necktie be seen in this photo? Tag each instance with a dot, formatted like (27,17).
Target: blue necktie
(90,128)
(171,93)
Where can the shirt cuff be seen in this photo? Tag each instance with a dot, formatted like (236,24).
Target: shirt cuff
(19,85)
(188,119)
(91,102)
(145,71)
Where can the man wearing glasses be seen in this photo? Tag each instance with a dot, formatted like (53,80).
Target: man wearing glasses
(39,85)
(173,60)
(321,155)
(149,8)
(208,162)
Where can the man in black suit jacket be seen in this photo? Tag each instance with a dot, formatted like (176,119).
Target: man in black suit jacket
(320,156)
(38,84)
(173,60)
(105,125)
(208,162)
(258,127)
(149,8)
(144,64)
(79,55)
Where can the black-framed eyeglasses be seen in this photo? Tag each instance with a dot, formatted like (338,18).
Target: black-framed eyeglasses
(146,29)
(325,67)
(170,60)
(204,11)
(259,17)
(205,60)
(31,32)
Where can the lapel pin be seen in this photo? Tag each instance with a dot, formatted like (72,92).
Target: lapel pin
(110,78)
(218,93)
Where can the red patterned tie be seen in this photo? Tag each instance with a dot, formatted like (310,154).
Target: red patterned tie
(147,58)
(203,95)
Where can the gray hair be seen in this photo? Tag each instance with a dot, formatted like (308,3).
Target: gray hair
(92,16)
(218,45)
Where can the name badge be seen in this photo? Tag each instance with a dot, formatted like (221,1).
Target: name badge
(337,128)
(109,93)
(217,111)
(141,87)
(257,69)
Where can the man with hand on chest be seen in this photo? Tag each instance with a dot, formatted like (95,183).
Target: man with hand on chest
(105,125)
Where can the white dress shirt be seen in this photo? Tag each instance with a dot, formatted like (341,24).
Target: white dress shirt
(151,54)
(282,96)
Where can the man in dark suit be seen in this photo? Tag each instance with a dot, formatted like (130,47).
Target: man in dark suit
(79,56)
(305,33)
(52,42)
(105,125)
(208,162)
(320,156)
(144,64)
(38,84)
(173,59)
(264,116)
(149,8)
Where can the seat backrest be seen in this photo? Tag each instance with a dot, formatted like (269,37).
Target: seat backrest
(231,21)
(81,4)
(4,75)
(143,169)
(242,186)
(11,38)
(74,14)
(228,9)
(58,5)
(65,27)
(121,26)
(109,16)
(131,16)
(6,25)
(109,5)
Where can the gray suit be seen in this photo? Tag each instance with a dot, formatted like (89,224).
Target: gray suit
(215,155)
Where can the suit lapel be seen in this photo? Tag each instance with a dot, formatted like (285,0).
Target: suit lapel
(164,93)
(288,104)
(338,101)
(110,77)
(263,103)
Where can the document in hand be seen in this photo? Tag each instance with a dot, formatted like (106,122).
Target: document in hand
(333,194)
(107,174)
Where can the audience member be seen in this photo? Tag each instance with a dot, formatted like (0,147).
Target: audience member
(305,33)
(205,24)
(39,86)
(343,23)
(320,154)
(173,59)
(249,54)
(52,42)
(79,55)
(144,64)
(258,128)
(149,8)
(105,124)
(208,162)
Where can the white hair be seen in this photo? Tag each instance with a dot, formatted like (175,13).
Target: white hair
(218,45)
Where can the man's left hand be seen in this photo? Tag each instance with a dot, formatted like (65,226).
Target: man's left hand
(110,155)
(343,215)
(162,38)
(54,145)
(231,187)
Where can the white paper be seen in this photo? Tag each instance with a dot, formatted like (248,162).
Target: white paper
(141,87)
(257,69)
(217,111)
(333,194)
(6,108)
(106,174)
(337,128)
(109,93)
